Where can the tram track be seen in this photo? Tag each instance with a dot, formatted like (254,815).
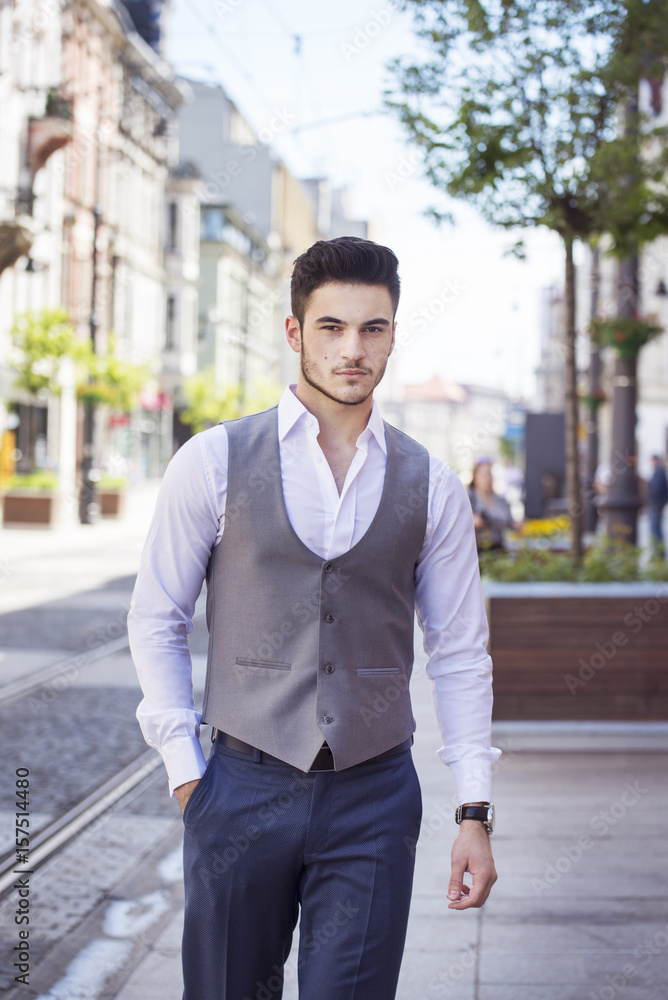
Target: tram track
(66,670)
(66,827)
(63,669)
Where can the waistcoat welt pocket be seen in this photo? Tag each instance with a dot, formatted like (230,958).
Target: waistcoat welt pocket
(273,664)
(377,670)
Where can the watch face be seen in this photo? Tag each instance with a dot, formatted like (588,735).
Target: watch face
(490,819)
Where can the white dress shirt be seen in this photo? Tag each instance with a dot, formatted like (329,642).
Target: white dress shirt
(189,521)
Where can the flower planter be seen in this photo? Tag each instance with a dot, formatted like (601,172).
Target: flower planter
(32,508)
(579,650)
(112,501)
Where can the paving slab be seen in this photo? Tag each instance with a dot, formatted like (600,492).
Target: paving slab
(432,927)
(16,663)
(603,991)
(588,970)
(169,942)
(573,938)
(157,978)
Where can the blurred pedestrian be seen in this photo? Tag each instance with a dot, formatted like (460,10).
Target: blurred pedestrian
(491,512)
(657,498)
(511,486)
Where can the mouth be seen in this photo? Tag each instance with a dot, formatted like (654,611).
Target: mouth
(352,373)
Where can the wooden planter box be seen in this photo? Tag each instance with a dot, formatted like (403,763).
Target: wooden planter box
(112,502)
(34,508)
(579,650)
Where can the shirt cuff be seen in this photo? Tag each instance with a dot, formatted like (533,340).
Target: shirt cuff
(184,760)
(472,779)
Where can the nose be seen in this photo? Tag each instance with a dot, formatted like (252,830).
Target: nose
(352,345)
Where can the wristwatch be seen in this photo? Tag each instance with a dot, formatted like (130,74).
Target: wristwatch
(483,813)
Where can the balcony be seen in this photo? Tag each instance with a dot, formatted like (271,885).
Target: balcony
(16,238)
(50,132)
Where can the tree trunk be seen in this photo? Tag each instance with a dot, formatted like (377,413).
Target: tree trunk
(571,414)
(591,512)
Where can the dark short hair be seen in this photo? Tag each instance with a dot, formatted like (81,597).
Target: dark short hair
(348,259)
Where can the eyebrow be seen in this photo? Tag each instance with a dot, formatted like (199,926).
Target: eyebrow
(379,321)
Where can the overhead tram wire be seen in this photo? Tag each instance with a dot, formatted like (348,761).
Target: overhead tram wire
(280,19)
(321,122)
(228,53)
(298,52)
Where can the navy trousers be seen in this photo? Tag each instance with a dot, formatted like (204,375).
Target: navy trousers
(264,841)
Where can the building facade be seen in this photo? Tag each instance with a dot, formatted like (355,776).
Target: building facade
(240,302)
(89,164)
(460,424)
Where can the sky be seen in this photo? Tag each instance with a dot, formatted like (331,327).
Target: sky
(467,313)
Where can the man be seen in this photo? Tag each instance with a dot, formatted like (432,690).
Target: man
(320,530)
(657,498)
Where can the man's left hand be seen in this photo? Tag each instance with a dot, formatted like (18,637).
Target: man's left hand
(471,852)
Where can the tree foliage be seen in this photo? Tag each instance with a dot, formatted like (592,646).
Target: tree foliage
(529,110)
(208,403)
(516,105)
(109,380)
(41,340)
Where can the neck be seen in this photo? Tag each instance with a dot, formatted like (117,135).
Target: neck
(338,421)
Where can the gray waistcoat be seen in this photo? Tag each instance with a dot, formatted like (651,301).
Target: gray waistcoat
(303,649)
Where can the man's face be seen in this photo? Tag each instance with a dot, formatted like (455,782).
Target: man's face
(347,337)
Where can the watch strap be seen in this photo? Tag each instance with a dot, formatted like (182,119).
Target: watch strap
(481,813)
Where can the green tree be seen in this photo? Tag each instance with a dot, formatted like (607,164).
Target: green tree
(208,403)
(42,339)
(108,380)
(516,107)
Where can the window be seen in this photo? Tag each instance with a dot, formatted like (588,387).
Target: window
(170,316)
(172,226)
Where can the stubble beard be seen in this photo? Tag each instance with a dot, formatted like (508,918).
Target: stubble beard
(310,372)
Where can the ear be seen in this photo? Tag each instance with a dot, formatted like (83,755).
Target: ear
(293,333)
(392,342)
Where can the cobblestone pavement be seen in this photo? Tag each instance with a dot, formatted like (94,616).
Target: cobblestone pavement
(580,911)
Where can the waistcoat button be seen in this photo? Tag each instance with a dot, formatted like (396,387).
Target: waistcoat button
(328,567)
(329,668)
(327,719)
(329,617)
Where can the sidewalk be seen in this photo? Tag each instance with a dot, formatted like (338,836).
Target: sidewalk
(75,572)
(38,564)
